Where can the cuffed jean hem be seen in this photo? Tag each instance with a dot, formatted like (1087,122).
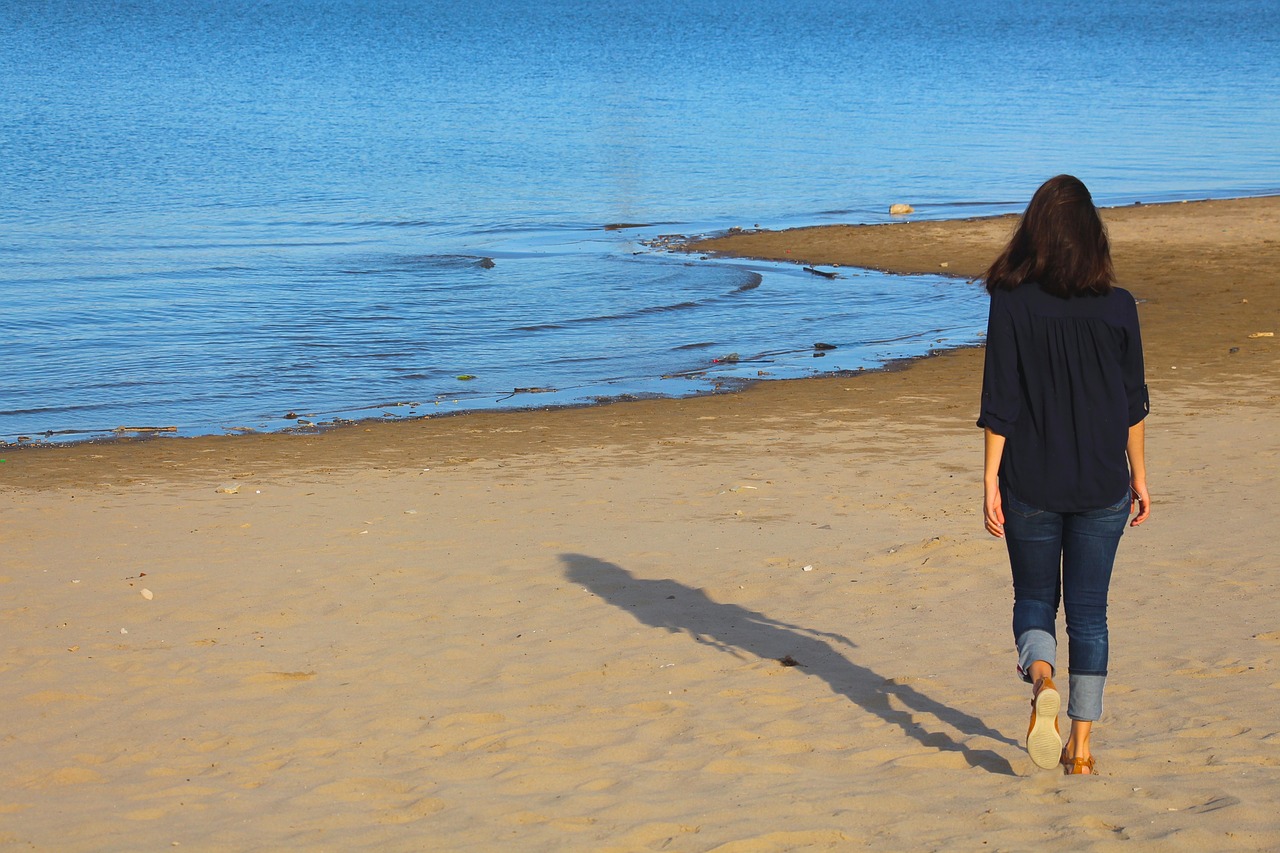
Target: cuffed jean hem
(1033,645)
(1085,701)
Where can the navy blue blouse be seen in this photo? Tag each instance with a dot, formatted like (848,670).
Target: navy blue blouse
(1063,382)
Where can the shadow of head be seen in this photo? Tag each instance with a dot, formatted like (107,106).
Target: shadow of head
(675,607)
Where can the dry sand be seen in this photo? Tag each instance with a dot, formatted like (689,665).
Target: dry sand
(560,630)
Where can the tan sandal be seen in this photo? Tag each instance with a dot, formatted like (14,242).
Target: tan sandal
(1044,740)
(1076,766)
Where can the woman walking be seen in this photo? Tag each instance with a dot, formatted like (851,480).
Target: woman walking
(1063,403)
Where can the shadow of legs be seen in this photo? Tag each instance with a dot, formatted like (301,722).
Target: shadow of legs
(677,608)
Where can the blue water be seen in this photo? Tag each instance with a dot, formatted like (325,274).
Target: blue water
(217,214)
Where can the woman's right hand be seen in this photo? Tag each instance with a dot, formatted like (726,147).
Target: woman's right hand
(993,511)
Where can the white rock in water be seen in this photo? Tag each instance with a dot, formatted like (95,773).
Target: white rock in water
(900,209)
(148,594)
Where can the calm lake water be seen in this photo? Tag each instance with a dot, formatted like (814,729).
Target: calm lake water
(217,214)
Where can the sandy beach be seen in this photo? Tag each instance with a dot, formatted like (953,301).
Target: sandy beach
(571,629)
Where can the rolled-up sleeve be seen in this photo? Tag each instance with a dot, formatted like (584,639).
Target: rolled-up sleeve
(1135,382)
(1001,400)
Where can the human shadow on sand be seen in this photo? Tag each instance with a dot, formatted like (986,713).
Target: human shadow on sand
(680,609)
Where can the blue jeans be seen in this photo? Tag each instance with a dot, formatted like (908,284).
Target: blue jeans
(1064,556)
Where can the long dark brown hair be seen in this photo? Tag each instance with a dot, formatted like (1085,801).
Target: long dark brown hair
(1060,243)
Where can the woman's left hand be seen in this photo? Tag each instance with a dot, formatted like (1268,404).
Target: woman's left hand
(1138,494)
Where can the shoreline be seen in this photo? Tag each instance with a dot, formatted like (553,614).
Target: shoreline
(572,626)
(369,413)
(1144,260)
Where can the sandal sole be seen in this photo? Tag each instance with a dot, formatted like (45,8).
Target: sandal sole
(1044,744)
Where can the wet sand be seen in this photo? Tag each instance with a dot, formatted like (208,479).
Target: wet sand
(562,630)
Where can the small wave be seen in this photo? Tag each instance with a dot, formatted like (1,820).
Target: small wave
(346,223)
(392,223)
(264,224)
(910,336)
(43,410)
(622,226)
(608,318)
(401,263)
(529,227)
(444,261)
(753,280)
(581,359)
(247,244)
